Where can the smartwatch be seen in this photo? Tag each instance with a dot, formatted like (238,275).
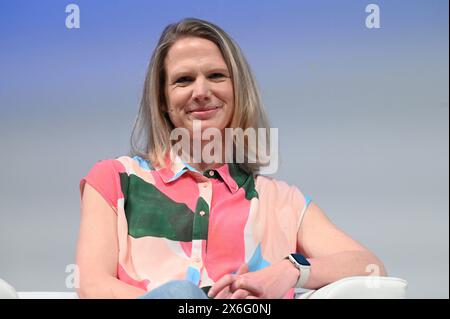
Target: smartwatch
(303,265)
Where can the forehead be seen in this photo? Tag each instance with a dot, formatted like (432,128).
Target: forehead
(193,52)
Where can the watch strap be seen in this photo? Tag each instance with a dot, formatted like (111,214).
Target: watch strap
(304,272)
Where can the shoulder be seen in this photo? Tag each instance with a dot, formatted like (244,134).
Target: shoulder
(103,171)
(106,165)
(279,191)
(270,182)
(109,176)
(121,164)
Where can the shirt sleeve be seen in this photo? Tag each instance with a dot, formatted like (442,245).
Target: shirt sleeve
(281,208)
(104,177)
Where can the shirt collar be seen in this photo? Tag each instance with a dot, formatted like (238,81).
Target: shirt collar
(231,174)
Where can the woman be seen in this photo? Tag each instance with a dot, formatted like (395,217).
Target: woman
(163,224)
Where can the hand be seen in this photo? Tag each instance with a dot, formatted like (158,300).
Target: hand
(272,282)
(221,289)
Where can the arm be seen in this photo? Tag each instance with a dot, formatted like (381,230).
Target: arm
(332,254)
(97,251)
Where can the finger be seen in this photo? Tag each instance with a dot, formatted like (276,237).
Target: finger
(221,284)
(225,293)
(240,294)
(251,297)
(218,286)
(247,284)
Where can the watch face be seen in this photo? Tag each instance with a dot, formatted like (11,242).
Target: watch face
(301,259)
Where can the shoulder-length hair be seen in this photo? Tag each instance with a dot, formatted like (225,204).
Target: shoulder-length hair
(150,138)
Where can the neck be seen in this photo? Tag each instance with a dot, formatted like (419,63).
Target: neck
(197,158)
(201,167)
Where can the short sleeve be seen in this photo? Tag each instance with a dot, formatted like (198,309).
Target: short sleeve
(278,216)
(104,177)
(307,200)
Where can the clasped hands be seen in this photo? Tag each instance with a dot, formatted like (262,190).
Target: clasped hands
(272,282)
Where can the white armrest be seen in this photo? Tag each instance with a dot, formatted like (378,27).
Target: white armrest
(47,295)
(363,287)
(6,291)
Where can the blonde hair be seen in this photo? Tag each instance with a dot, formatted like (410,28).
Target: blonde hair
(150,138)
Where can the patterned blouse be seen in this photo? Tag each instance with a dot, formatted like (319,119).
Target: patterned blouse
(178,223)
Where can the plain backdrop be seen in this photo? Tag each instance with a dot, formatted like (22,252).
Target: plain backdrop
(362,117)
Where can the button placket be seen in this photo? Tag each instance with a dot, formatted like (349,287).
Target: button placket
(196,254)
(200,226)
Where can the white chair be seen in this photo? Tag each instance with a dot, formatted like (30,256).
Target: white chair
(370,287)
(363,287)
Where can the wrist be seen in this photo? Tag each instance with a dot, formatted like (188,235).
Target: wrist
(302,264)
(291,271)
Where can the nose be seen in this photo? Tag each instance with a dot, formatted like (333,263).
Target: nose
(201,90)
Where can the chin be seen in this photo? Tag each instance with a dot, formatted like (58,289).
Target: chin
(210,123)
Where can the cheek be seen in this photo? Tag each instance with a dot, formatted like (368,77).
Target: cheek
(178,99)
(225,93)
(230,100)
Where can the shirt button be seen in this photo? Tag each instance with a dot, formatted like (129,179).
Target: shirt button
(202,213)
(197,260)
(211,173)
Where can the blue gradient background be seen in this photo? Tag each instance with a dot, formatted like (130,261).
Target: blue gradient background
(362,117)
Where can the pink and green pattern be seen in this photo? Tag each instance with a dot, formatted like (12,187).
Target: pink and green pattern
(178,223)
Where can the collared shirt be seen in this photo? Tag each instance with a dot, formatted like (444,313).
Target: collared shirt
(178,223)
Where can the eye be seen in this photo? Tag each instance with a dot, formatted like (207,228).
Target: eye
(216,76)
(184,80)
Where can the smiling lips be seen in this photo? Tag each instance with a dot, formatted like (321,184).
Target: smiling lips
(204,113)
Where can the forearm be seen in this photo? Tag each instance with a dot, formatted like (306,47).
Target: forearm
(109,288)
(328,269)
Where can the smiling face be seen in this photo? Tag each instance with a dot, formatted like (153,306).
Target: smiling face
(198,85)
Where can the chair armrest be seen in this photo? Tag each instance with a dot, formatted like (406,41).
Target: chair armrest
(46,295)
(7,291)
(360,287)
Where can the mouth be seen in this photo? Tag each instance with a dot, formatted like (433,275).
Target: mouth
(204,113)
